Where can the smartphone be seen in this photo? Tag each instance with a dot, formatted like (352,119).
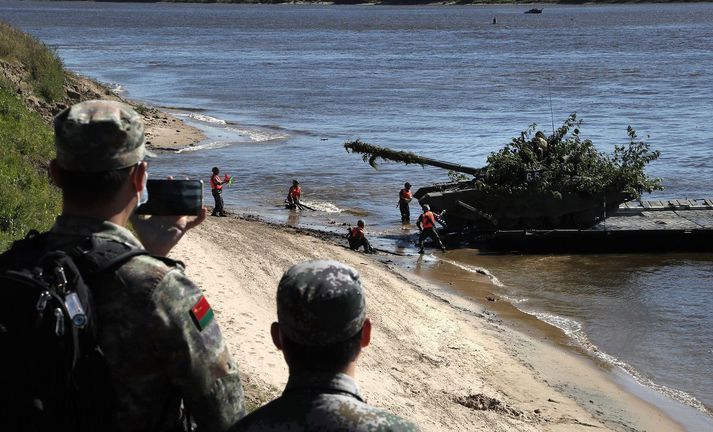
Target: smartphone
(173,198)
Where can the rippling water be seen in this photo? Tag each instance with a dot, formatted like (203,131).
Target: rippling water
(278,89)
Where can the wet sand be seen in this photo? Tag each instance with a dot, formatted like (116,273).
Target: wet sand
(437,357)
(167,132)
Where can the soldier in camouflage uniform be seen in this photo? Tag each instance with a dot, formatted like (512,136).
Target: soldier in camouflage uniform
(163,348)
(321,330)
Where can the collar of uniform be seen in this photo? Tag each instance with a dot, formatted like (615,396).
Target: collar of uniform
(86,226)
(329,382)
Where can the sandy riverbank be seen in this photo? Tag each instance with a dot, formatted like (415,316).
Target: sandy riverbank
(433,352)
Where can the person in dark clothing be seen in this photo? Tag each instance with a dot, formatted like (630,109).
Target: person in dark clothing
(426,224)
(321,330)
(216,188)
(404,200)
(357,238)
(161,349)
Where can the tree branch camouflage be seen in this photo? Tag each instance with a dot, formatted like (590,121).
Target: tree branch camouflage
(534,163)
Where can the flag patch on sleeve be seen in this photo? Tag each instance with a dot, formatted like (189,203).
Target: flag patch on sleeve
(202,313)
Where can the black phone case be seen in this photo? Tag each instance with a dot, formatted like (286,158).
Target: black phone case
(173,198)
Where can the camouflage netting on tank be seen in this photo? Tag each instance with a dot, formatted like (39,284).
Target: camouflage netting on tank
(564,163)
(370,153)
(534,163)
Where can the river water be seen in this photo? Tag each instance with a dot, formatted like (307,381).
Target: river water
(278,89)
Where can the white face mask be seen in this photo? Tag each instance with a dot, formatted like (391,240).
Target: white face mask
(144,194)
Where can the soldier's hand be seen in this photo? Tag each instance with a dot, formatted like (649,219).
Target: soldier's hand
(159,234)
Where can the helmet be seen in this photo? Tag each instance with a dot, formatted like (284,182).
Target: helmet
(360,223)
(295,182)
(426,207)
(407,185)
(215,170)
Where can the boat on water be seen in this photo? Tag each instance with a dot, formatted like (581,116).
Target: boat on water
(533,11)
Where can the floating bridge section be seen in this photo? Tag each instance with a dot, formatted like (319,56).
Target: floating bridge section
(636,226)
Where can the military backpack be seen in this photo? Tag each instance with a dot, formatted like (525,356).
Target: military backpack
(53,375)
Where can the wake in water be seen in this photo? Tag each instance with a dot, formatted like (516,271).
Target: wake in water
(323,206)
(253,134)
(479,270)
(205,146)
(206,119)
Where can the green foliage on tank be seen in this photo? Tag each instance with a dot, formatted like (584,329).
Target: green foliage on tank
(556,181)
(564,162)
(535,181)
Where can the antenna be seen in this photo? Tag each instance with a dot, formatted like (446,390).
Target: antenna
(552,114)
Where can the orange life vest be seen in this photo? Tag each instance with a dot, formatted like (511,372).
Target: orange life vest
(429,220)
(357,232)
(405,194)
(295,192)
(215,182)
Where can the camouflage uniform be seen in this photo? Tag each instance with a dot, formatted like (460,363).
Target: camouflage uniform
(321,303)
(156,354)
(161,343)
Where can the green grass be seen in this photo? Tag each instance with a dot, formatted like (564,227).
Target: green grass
(45,68)
(27,198)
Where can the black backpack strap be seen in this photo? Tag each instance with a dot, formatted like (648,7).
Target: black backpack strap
(105,256)
(26,251)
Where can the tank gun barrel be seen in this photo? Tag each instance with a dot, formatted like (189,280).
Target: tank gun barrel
(370,153)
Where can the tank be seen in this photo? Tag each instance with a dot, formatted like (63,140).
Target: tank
(464,205)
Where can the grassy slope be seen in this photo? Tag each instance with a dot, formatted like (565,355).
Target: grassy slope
(27,199)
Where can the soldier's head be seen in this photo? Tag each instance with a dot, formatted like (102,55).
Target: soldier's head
(407,185)
(321,317)
(360,223)
(100,154)
(216,171)
(295,183)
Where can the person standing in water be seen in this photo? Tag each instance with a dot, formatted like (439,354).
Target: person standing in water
(405,197)
(216,188)
(426,224)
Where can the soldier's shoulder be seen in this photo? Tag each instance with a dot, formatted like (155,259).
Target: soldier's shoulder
(326,413)
(354,415)
(375,419)
(147,272)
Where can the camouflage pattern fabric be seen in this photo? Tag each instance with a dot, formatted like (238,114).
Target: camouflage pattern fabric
(99,135)
(320,303)
(157,351)
(321,403)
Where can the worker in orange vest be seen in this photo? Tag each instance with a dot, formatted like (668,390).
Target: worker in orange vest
(216,188)
(404,200)
(426,224)
(357,238)
(293,195)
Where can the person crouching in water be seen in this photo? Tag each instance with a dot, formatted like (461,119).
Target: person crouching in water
(357,238)
(426,224)
(293,195)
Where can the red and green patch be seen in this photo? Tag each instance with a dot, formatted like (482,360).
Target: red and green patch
(202,313)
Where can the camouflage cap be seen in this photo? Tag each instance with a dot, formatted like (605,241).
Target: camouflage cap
(99,135)
(320,303)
